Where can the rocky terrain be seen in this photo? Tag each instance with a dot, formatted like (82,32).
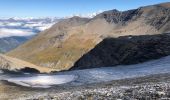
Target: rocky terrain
(125,50)
(152,91)
(64,43)
(149,87)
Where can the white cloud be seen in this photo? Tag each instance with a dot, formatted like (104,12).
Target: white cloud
(10,24)
(31,25)
(44,27)
(24,26)
(13,24)
(39,26)
(5,32)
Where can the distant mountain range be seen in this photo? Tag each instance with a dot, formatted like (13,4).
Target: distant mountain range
(15,31)
(67,41)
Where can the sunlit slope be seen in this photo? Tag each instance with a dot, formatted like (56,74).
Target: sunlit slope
(13,64)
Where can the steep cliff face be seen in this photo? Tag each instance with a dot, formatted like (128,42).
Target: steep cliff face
(125,50)
(65,42)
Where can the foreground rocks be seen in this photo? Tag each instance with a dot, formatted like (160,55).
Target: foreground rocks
(147,91)
(154,87)
(125,50)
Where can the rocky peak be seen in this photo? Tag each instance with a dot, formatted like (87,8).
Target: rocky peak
(154,15)
(115,16)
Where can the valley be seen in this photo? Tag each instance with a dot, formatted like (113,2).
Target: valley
(114,54)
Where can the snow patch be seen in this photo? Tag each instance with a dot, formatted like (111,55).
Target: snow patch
(44,81)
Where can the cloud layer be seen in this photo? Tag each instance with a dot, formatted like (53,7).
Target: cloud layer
(6,32)
(24,27)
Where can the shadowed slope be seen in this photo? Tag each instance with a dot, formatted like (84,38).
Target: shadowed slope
(125,50)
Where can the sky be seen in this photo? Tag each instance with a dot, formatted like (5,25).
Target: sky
(63,8)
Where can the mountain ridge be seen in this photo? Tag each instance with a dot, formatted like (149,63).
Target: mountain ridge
(65,42)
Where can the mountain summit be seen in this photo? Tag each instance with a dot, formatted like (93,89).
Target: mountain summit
(68,40)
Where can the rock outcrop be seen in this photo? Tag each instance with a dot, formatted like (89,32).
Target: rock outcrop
(125,50)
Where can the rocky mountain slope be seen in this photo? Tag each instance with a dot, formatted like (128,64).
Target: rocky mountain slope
(13,64)
(65,42)
(125,50)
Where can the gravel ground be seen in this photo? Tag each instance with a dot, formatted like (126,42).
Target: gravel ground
(153,87)
(136,92)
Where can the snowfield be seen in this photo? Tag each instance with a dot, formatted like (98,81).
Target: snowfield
(96,75)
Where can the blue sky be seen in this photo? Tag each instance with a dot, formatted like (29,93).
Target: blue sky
(62,8)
